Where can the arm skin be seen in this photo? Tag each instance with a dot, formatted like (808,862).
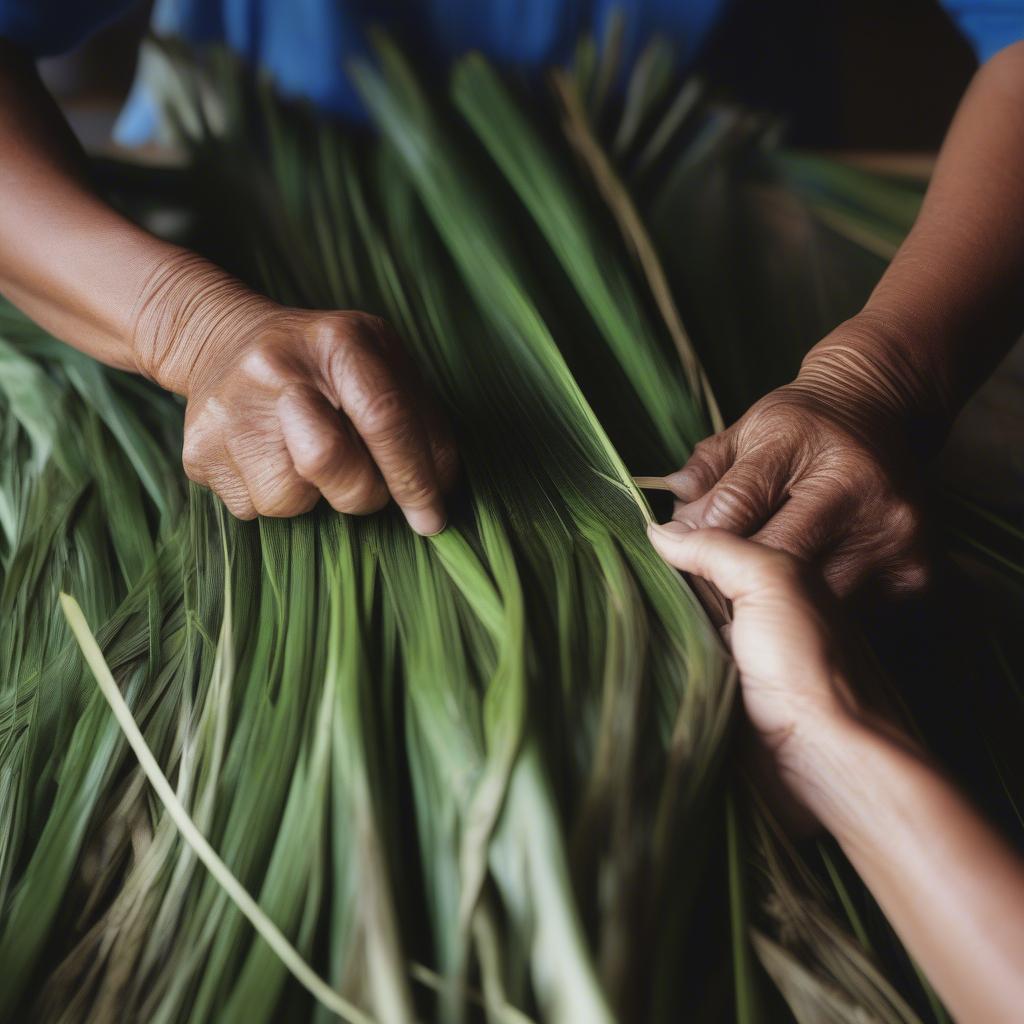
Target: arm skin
(949,885)
(819,467)
(951,303)
(284,405)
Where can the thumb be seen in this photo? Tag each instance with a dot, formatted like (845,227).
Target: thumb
(738,567)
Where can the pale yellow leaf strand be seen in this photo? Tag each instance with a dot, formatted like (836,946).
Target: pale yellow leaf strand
(238,894)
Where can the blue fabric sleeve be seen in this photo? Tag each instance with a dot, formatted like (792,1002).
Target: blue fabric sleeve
(536,33)
(305,44)
(989,25)
(46,27)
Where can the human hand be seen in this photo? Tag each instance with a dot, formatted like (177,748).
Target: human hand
(786,648)
(288,405)
(817,468)
(950,886)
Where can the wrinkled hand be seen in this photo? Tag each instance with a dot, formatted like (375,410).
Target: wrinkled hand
(288,405)
(813,469)
(786,647)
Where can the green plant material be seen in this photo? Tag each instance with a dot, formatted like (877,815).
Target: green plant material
(186,826)
(600,280)
(650,81)
(747,1009)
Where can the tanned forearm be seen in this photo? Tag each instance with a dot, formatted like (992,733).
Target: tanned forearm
(71,262)
(952,301)
(951,888)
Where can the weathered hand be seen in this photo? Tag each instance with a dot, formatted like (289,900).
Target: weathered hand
(288,405)
(815,468)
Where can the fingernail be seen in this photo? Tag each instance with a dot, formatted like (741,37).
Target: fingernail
(426,521)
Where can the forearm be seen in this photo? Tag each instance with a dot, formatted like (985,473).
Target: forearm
(284,405)
(951,888)
(81,270)
(952,301)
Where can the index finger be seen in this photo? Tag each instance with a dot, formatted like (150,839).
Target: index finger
(386,416)
(435,424)
(806,525)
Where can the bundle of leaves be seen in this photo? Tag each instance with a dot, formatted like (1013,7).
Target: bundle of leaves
(355,772)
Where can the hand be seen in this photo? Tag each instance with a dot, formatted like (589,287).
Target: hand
(288,405)
(784,645)
(950,886)
(815,468)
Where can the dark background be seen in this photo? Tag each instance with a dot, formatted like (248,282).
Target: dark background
(851,74)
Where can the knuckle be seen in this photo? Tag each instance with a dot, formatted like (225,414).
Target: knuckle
(362,495)
(192,459)
(377,500)
(263,508)
(707,450)
(295,393)
(363,489)
(384,417)
(843,573)
(292,502)
(333,332)
(909,575)
(274,487)
(317,457)
(263,364)
(372,326)
(341,329)
(259,449)
(240,508)
(215,412)
(416,491)
(903,519)
(371,329)
(264,501)
(913,578)
(732,506)
(698,472)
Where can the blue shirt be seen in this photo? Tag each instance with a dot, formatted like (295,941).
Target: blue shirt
(304,43)
(989,25)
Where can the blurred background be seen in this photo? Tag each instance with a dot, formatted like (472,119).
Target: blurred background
(849,74)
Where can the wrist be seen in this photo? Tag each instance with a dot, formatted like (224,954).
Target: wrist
(815,744)
(869,372)
(189,313)
(842,766)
